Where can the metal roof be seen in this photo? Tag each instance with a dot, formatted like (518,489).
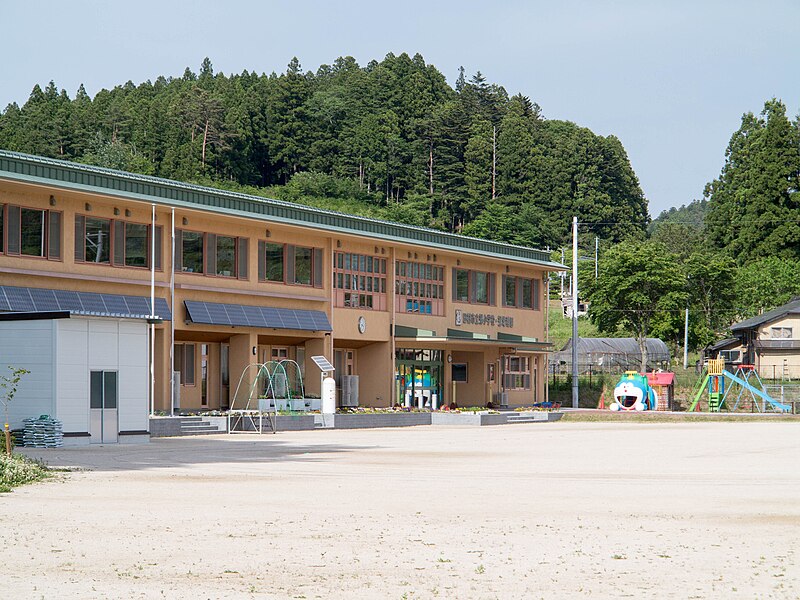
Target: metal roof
(15,166)
(655,347)
(790,308)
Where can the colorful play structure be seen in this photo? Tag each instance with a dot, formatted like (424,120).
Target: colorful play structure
(743,385)
(634,392)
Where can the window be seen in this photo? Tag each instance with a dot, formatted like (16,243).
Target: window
(516,373)
(97,240)
(136,245)
(290,264)
(781,333)
(302,265)
(419,288)
(458,371)
(521,292)
(273,257)
(730,356)
(114,242)
(359,281)
(475,287)
(226,256)
(462,285)
(192,251)
(183,363)
(30,232)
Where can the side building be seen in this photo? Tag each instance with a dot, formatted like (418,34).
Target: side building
(418,315)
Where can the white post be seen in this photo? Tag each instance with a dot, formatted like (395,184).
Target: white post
(172,322)
(574,312)
(153,312)
(686,340)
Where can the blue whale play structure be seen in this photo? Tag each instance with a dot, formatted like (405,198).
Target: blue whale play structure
(634,393)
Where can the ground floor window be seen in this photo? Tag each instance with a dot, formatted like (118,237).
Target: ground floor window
(516,373)
(183,363)
(419,377)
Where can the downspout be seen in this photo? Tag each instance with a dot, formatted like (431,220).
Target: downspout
(172,321)
(153,312)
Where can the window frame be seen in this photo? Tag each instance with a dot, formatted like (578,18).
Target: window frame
(113,241)
(48,218)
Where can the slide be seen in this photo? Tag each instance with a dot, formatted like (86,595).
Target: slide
(757,392)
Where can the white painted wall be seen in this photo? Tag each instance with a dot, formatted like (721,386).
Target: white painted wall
(86,345)
(29,345)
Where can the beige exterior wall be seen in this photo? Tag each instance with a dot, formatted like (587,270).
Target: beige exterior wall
(780,363)
(374,345)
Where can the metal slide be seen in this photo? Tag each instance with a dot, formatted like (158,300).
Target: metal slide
(757,392)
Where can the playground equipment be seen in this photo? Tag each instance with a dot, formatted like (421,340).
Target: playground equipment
(277,385)
(745,379)
(633,392)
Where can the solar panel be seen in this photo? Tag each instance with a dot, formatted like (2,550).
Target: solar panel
(240,315)
(20,299)
(323,363)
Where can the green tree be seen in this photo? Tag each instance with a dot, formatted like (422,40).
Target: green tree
(766,284)
(753,206)
(638,284)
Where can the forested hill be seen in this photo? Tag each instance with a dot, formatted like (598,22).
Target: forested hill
(390,139)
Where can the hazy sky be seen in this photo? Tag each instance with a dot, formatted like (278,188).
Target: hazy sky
(671,79)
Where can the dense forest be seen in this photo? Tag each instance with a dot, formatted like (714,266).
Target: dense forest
(393,140)
(390,139)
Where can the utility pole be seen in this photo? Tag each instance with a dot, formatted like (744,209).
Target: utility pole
(686,340)
(494,160)
(596,246)
(574,312)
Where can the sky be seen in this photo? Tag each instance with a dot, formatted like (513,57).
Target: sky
(670,79)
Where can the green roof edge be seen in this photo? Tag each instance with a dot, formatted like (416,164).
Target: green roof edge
(16,166)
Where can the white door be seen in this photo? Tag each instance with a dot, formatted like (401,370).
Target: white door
(103,394)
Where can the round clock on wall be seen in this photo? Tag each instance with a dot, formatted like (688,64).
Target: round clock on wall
(362,324)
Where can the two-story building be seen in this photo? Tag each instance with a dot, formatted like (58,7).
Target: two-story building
(236,279)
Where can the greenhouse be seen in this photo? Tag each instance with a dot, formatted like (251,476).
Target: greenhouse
(610,355)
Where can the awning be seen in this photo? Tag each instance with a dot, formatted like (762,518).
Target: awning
(91,304)
(471,338)
(240,315)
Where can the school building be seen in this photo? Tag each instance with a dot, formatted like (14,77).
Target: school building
(417,315)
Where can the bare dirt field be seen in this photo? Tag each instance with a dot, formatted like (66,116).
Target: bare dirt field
(564,510)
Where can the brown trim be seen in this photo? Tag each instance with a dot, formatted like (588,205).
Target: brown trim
(77,434)
(135,432)
(82,277)
(207,288)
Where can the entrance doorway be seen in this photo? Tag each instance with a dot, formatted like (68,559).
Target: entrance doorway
(419,377)
(103,421)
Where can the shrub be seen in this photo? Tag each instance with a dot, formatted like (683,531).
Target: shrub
(18,470)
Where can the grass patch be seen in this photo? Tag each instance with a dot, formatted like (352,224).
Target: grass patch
(605,416)
(18,470)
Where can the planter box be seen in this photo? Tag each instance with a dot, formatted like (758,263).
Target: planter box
(369,420)
(535,416)
(301,405)
(474,419)
(294,422)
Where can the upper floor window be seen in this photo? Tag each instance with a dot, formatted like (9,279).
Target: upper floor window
(419,288)
(779,333)
(115,242)
(359,281)
(211,254)
(474,287)
(30,232)
(521,292)
(289,264)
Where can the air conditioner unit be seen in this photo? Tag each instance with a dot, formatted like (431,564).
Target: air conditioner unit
(501,398)
(350,390)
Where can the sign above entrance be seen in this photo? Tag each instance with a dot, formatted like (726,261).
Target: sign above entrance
(323,363)
(465,318)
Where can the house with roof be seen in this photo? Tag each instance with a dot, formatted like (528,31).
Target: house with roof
(770,342)
(125,294)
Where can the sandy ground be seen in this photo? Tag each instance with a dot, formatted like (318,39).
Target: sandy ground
(602,510)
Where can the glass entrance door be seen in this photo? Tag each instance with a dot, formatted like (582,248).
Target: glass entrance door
(418,376)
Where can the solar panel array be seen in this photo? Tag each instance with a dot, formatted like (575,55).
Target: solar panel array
(211,313)
(23,299)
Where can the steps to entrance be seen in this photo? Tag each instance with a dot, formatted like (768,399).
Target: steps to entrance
(533,417)
(179,426)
